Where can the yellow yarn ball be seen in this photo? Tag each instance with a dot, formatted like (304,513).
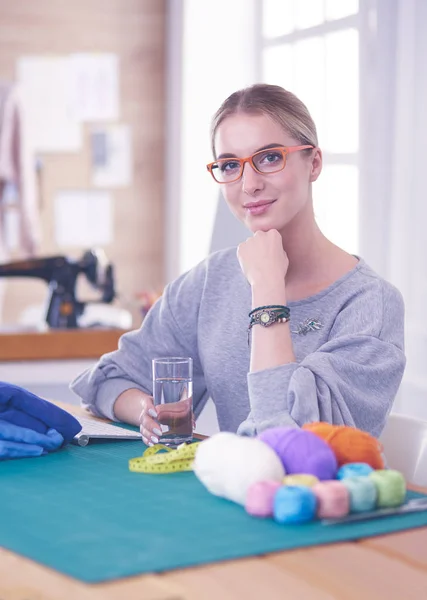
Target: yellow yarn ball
(301,479)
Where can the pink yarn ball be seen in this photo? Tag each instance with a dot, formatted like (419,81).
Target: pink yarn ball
(260,497)
(301,451)
(333,499)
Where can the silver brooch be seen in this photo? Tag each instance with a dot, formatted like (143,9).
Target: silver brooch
(308,325)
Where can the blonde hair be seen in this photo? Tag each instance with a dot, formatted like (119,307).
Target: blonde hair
(281,106)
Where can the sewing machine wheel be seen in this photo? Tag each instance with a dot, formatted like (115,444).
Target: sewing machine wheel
(99,272)
(94,264)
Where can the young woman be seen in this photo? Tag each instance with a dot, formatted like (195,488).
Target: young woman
(326,332)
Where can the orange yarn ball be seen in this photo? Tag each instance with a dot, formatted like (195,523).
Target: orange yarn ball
(349,443)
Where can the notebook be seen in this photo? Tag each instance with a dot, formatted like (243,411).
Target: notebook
(92,429)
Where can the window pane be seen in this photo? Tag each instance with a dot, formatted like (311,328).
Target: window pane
(337,9)
(277,17)
(308,13)
(342,91)
(335,196)
(300,68)
(278,66)
(323,71)
(309,65)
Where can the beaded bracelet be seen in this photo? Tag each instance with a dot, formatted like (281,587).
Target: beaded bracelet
(272,307)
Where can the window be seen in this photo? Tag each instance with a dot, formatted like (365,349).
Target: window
(311,47)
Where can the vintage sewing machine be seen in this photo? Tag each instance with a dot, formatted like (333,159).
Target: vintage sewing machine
(61,274)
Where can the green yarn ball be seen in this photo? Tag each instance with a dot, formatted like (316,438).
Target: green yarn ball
(391,487)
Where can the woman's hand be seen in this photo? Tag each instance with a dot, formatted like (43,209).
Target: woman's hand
(137,408)
(149,425)
(262,258)
(176,415)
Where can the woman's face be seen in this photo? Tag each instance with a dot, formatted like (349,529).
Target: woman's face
(265,201)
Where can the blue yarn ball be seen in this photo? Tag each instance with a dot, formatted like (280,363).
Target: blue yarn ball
(294,504)
(359,469)
(363,493)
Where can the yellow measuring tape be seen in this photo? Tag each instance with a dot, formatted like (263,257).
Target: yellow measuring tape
(171,461)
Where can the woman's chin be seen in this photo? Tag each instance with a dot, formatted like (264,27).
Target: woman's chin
(255,225)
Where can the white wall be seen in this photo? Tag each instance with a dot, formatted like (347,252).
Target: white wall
(219,52)
(174,38)
(48,378)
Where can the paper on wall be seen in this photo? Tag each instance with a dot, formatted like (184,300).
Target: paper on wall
(11,229)
(44,86)
(112,157)
(83,218)
(94,86)
(59,93)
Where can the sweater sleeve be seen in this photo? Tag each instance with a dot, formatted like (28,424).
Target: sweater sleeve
(352,379)
(169,329)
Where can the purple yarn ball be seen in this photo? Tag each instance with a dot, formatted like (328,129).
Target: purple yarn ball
(301,451)
(273,436)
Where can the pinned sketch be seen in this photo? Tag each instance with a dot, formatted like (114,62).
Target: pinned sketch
(112,157)
(51,125)
(94,86)
(83,218)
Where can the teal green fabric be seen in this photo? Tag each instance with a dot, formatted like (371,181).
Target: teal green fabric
(82,512)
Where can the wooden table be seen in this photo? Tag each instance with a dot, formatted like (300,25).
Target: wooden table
(391,567)
(58,344)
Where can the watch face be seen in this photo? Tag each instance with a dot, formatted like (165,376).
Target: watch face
(264,317)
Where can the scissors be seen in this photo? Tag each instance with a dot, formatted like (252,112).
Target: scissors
(414,505)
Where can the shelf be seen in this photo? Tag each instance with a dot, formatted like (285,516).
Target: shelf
(58,344)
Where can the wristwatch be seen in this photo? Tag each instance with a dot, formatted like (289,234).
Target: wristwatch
(268,317)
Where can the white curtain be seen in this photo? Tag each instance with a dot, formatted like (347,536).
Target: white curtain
(393,170)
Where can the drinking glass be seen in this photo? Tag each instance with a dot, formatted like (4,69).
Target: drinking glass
(173,398)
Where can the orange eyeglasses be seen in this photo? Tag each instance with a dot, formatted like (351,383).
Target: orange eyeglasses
(271,160)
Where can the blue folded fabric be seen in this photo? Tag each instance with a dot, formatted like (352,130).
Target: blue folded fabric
(20,442)
(24,409)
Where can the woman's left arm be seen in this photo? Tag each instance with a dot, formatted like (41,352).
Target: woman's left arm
(350,380)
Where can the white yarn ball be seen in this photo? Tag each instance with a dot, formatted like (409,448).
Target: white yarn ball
(228,464)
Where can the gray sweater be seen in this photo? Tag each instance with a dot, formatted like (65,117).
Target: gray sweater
(346,372)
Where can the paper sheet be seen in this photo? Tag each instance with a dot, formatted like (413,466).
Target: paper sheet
(59,93)
(50,123)
(83,218)
(112,159)
(94,81)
